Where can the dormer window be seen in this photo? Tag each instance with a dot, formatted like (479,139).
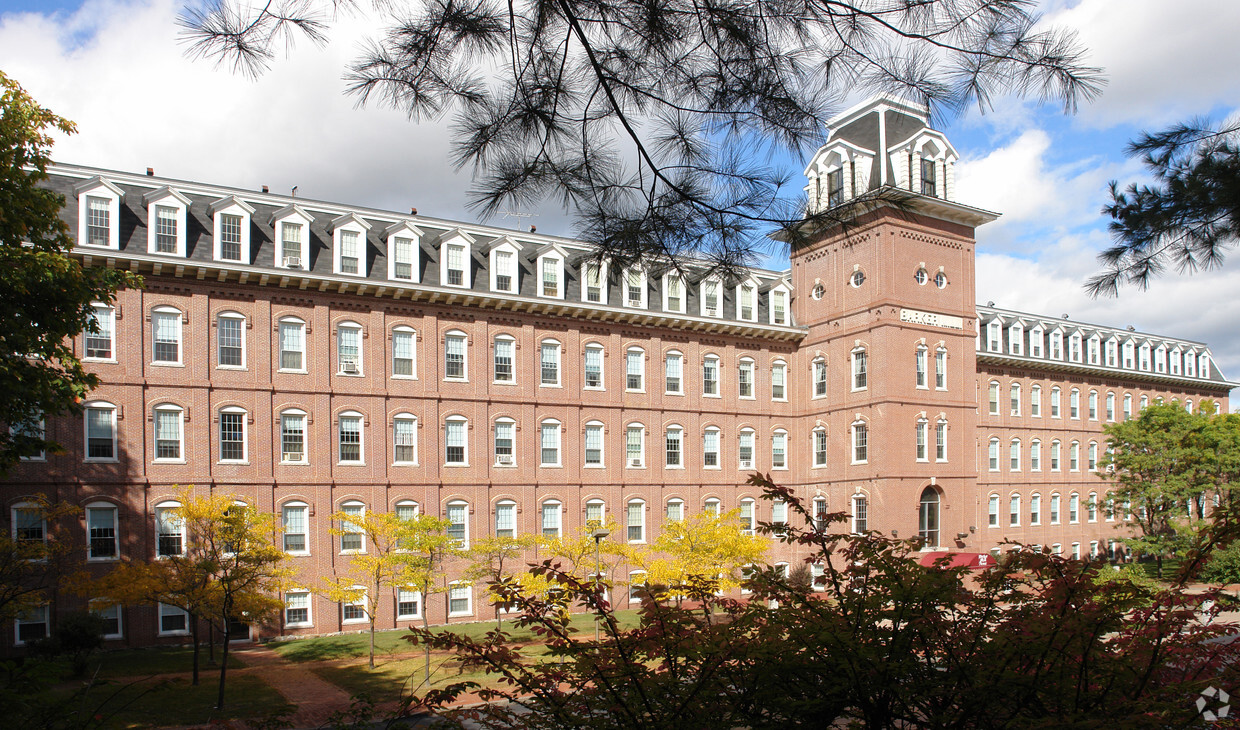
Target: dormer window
(1016,337)
(835,188)
(454,251)
(1095,347)
(231,217)
(928,186)
(747,301)
(1035,341)
(1056,345)
(503,253)
(551,271)
(1129,355)
(1143,357)
(994,336)
(1112,353)
(99,203)
(403,247)
(1160,359)
(349,234)
(778,300)
(595,289)
(635,287)
(165,221)
(1190,364)
(673,293)
(1175,361)
(711,295)
(291,226)
(1074,344)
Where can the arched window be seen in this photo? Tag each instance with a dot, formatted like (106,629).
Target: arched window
(404,438)
(928,517)
(349,348)
(506,518)
(673,363)
(593,367)
(456,441)
(992,510)
(745,378)
(594,443)
(1055,401)
(1035,455)
(1035,401)
(820,446)
(1014,510)
(455,351)
(596,512)
(994,453)
(549,363)
(552,517)
(1093,405)
(1092,507)
(1014,405)
(860,442)
(457,514)
(745,449)
(505,354)
(635,520)
(710,375)
(293,436)
(233,434)
(1014,455)
(100,344)
(230,340)
(674,442)
(779,380)
(940,368)
(1110,406)
(919,366)
(921,432)
(820,377)
(1074,508)
(860,369)
(634,369)
(711,506)
(747,515)
(635,445)
(993,393)
(1074,404)
(352,527)
(860,514)
(292,335)
(779,449)
(404,352)
(940,440)
(166,332)
(710,448)
(675,510)
(169,529)
(296,527)
(549,442)
(1055,455)
(1035,509)
(349,438)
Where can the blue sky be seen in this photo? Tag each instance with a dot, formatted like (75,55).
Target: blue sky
(117,68)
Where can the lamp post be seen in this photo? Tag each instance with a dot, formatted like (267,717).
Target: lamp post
(599,534)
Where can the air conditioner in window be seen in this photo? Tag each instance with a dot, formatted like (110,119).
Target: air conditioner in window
(292,262)
(349,366)
(635,462)
(746,464)
(505,460)
(291,456)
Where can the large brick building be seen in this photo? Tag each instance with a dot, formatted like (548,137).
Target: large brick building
(311,357)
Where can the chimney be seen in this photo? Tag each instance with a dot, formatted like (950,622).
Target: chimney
(150,172)
(413,211)
(294,194)
(533,229)
(265,189)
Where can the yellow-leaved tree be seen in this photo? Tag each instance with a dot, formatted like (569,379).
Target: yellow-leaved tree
(700,557)
(494,558)
(429,544)
(581,555)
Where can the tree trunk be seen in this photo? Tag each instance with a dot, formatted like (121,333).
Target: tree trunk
(193,628)
(211,643)
(426,624)
(219,703)
(372,639)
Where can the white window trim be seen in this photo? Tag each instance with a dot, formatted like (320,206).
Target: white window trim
(504,420)
(770,305)
(309,622)
(404,329)
(111,309)
(237,316)
(279,344)
(361,438)
(602,369)
(516,523)
(296,504)
(165,309)
(465,434)
(27,506)
(305,436)
(718,377)
(352,551)
(557,509)
(97,187)
(295,215)
(718,448)
(775,435)
(404,229)
(464,377)
(165,197)
(180,416)
(364,602)
(231,205)
(559,443)
(352,223)
(667,356)
(753,377)
(757,297)
(628,461)
(120,620)
(416,615)
(405,416)
(684,451)
(627,505)
(702,310)
(245,434)
(552,252)
(559,363)
(624,284)
(602,274)
(602,449)
(853,442)
(457,237)
(776,365)
(507,245)
(740,437)
(642,359)
(361,349)
(469,611)
(103,405)
(173,610)
(684,292)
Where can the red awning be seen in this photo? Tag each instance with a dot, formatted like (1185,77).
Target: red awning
(973,561)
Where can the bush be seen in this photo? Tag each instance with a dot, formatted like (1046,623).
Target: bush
(1224,565)
(78,635)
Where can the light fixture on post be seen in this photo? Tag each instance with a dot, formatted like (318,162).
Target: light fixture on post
(599,534)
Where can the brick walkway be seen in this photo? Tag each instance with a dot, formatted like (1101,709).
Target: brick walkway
(315,698)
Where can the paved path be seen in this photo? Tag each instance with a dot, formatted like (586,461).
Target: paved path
(316,698)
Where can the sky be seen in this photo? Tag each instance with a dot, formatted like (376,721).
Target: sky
(118,68)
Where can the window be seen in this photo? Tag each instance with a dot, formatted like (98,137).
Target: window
(712,304)
(778,299)
(820,378)
(779,378)
(994,454)
(549,363)
(1110,406)
(292,344)
(820,447)
(1035,455)
(673,293)
(594,444)
(635,367)
(994,336)
(1016,336)
(455,428)
(354,610)
(293,437)
(928,186)
(594,367)
(100,344)
(101,532)
(710,375)
(993,392)
(29,524)
(170,530)
(674,447)
(1014,456)
(550,278)
(637,585)
(745,376)
(168,433)
(403,250)
(404,439)
(1035,401)
(551,512)
(291,224)
(172,620)
(229,227)
(1014,398)
(746,449)
(1014,511)
(1093,456)
(1074,507)
(635,288)
(1035,509)
(940,369)
(111,617)
(1145,402)
(459,596)
(349,349)
(928,518)
(675,510)
(859,369)
(779,450)
(595,277)
(455,263)
(454,355)
(819,513)
(860,439)
(100,432)
(166,330)
(350,437)
(635,520)
(673,368)
(404,340)
(352,527)
(940,440)
(1093,405)
(860,515)
(506,519)
(1054,509)
(710,448)
(352,244)
(408,604)
(295,528)
(505,348)
(549,442)
(1055,455)
(1055,402)
(634,436)
(919,366)
(1091,507)
(230,328)
(857,279)
(1128,406)
(921,431)
(457,514)
(596,511)
(747,301)
(993,510)
(747,516)
(1074,456)
(1057,345)
(101,225)
(505,430)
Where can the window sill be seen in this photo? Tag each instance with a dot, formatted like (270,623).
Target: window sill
(354,621)
(112,460)
(358,374)
(594,466)
(297,553)
(350,463)
(300,625)
(167,461)
(412,618)
(710,467)
(498,465)
(674,392)
(455,465)
(404,463)
(456,380)
(461,614)
(232,462)
(674,466)
(404,377)
(183,632)
(99,359)
(237,368)
(503,382)
(550,385)
(746,397)
(294,463)
(112,559)
(635,390)
(291,371)
(630,466)
(711,395)
(550,466)
(158,364)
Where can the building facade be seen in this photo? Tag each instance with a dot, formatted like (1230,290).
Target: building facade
(311,357)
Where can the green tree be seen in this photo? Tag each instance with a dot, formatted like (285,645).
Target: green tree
(35,556)
(46,296)
(656,124)
(380,561)
(1162,470)
(430,547)
(1187,219)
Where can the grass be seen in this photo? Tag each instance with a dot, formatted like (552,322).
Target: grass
(153,703)
(390,644)
(156,661)
(1150,568)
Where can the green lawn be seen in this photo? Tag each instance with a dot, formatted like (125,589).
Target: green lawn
(391,643)
(156,661)
(155,703)
(394,677)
